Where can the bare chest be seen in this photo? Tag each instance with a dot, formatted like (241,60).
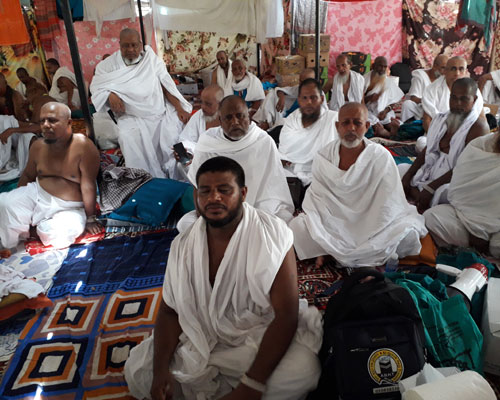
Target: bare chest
(65,166)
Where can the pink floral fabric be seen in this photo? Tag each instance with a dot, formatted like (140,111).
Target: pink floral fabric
(370,27)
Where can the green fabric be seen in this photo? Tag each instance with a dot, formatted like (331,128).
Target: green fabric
(402,160)
(9,185)
(78,114)
(409,131)
(479,13)
(186,202)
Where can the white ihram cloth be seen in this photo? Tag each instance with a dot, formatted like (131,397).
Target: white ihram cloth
(62,97)
(390,94)
(354,94)
(150,125)
(360,216)
(251,83)
(267,111)
(257,154)
(12,281)
(436,97)
(193,130)
(13,154)
(438,163)
(58,222)
(490,89)
(419,81)
(300,145)
(223,81)
(222,326)
(473,195)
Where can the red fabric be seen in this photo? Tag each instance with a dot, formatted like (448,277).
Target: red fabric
(41,301)
(12,29)
(35,246)
(47,22)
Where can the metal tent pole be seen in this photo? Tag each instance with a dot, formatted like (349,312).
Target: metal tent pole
(316,69)
(258,60)
(141,23)
(75,58)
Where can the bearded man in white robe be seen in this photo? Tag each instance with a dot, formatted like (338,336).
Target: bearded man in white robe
(243,333)
(347,85)
(381,92)
(473,216)
(412,109)
(222,74)
(306,131)
(355,209)
(133,84)
(426,181)
(247,86)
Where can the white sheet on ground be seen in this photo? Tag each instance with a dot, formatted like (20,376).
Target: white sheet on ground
(12,281)
(359,216)
(354,94)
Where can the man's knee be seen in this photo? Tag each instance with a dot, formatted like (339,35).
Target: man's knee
(62,229)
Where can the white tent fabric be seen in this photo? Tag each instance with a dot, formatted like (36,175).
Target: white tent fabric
(109,10)
(260,18)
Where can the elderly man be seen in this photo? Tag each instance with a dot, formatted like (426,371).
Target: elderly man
(57,191)
(27,83)
(473,216)
(132,83)
(11,101)
(242,334)
(355,209)
(63,85)
(421,78)
(279,103)
(244,142)
(222,75)
(435,99)
(347,85)
(245,85)
(306,131)
(381,93)
(426,181)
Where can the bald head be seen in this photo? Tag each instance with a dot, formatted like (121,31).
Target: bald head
(210,98)
(308,73)
(352,124)
(62,110)
(130,45)
(55,121)
(456,68)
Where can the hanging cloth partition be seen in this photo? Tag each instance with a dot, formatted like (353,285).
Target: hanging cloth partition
(12,29)
(108,10)
(47,22)
(480,13)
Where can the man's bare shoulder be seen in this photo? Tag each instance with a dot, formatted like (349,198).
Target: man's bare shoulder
(82,141)
(478,128)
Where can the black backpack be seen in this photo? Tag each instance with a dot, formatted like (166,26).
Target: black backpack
(373,337)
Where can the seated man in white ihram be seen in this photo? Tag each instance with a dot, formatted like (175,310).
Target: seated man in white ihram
(254,150)
(473,216)
(306,131)
(133,84)
(230,325)
(347,85)
(355,209)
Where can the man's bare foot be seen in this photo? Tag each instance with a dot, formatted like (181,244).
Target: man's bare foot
(379,130)
(394,126)
(5,253)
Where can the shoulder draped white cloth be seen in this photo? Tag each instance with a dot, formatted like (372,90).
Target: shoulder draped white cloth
(390,94)
(490,89)
(62,97)
(409,109)
(436,97)
(267,111)
(13,154)
(12,281)
(438,163)
(251,83)
(475,187)
(193,130)
(257,154)
(359,216)
(223,81)
(300,145)
(355,92)
(150,125)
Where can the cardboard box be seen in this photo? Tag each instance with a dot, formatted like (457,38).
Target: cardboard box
(289,65)
(288,80)
(307,43)
(491,327)
(324,59)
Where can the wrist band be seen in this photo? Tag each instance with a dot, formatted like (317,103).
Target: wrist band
(428,188)
(253,384)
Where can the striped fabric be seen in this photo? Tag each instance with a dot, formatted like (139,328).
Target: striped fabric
(47,22)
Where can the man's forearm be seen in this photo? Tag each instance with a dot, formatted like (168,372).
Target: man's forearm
(166,338)
(89,194)
(173,100)
(442,180)
(415,166)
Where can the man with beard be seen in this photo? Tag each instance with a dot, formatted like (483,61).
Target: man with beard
(149,109)
(381,93)
(411,109)
(222,75)
(355,209)
(250,146)
(247,86)
(347,85)
(57,190)
(426,181)
(241,334)
(306,131)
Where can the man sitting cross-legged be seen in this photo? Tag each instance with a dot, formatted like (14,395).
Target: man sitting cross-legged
(355,209)
(347,85)
(230,325)
(426,181)
(473,216)
(57,191)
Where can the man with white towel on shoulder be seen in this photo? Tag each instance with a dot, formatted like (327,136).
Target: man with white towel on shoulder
(347,85)
(222,74)
(150,111)
(355,209)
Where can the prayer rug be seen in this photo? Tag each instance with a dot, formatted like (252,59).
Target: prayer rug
(105,296)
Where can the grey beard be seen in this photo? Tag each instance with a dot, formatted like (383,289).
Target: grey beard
(343,78)
(351,145)
(454,121)
(133,62)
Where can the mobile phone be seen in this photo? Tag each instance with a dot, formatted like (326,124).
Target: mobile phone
(184,157)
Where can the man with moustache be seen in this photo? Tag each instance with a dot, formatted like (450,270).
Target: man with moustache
(306,131)
(241,334)
(426,181)
(347,85)
(222,75)
(57,190)
(355,209)
(247,86)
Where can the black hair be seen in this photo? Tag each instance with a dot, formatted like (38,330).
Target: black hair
(310,81)
(222,164)
(468,83)
(53,61)
(21,69)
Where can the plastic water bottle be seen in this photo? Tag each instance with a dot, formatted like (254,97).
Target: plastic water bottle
(392,263)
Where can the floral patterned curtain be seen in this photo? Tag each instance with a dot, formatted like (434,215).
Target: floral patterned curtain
(429,29)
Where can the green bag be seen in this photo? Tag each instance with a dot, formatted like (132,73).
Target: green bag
(452,337)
